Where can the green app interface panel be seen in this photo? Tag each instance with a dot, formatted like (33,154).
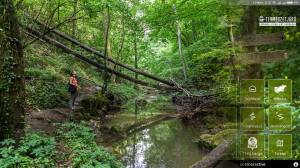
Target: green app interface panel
(266,113)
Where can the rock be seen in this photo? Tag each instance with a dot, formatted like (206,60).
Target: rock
(208,141)
(88,116)
(96,105)
(79,110)
(110,96)
(152,97)
(209,121)
(98,88)
(117,130)
(104,129)
(79,116)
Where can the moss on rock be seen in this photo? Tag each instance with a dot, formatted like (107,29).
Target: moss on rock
(117,130)
(208,141)
(79,116)
(79,110)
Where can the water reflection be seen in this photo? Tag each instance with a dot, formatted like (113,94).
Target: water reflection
(166,145)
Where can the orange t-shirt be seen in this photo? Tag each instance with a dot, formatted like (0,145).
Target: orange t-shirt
(74,81)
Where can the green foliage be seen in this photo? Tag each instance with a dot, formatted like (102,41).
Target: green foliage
(83,150)
(77,144)
(44,89)
(126,91)
(33,151)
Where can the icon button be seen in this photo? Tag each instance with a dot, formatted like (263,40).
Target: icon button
(252,143)
(252,146)
(280,91)
(280,146)
(280,118)
(252,91)
(279,143)
(252,118)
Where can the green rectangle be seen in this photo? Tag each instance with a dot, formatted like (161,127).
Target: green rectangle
(280,118)
(252,146)
(252,91)
(252,118)
(280,146)
(280,91)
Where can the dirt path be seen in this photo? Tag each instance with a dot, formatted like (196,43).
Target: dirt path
(42,119)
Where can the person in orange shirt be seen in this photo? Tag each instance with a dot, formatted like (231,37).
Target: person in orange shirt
(73,88)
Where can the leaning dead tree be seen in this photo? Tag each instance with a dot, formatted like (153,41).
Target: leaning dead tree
(92,62)
(170,83)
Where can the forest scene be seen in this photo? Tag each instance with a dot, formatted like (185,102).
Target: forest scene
(148,83)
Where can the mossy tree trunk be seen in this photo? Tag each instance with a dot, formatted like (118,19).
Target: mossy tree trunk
(12,84)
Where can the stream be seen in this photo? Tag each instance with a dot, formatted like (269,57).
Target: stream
(163,142)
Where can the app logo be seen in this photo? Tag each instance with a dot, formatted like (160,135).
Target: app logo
(252,143)
(296,164)
(261,19)
(279,89)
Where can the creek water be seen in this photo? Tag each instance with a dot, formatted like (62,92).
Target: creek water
(164,143)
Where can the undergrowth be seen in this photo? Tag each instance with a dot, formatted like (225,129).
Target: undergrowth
(73,145)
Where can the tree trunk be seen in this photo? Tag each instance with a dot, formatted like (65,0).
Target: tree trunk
(120,45)
(253,71)
(231,39)
(108,48)
(12,83)
(74,21)
(194,30)
(135,59)
(180,48)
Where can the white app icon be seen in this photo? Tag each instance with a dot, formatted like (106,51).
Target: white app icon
(252,143)
(252,88)
(279,89)
(279,143)
(252,116)
(279,116)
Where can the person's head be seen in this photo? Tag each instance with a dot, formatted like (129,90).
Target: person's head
(73,73)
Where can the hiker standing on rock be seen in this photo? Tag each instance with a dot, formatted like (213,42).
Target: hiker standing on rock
(72,89)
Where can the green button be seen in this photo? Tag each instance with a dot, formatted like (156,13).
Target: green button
(280,146)
(252,118)
(252,146)
(280,91)
(252,91)
(280,118)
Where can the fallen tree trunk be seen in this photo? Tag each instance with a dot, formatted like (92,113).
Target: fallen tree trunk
(90,61)
(170,83)
(214,157)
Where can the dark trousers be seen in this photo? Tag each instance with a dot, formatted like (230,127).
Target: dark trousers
(72,99)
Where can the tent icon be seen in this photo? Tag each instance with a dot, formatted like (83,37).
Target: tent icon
(252,88)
